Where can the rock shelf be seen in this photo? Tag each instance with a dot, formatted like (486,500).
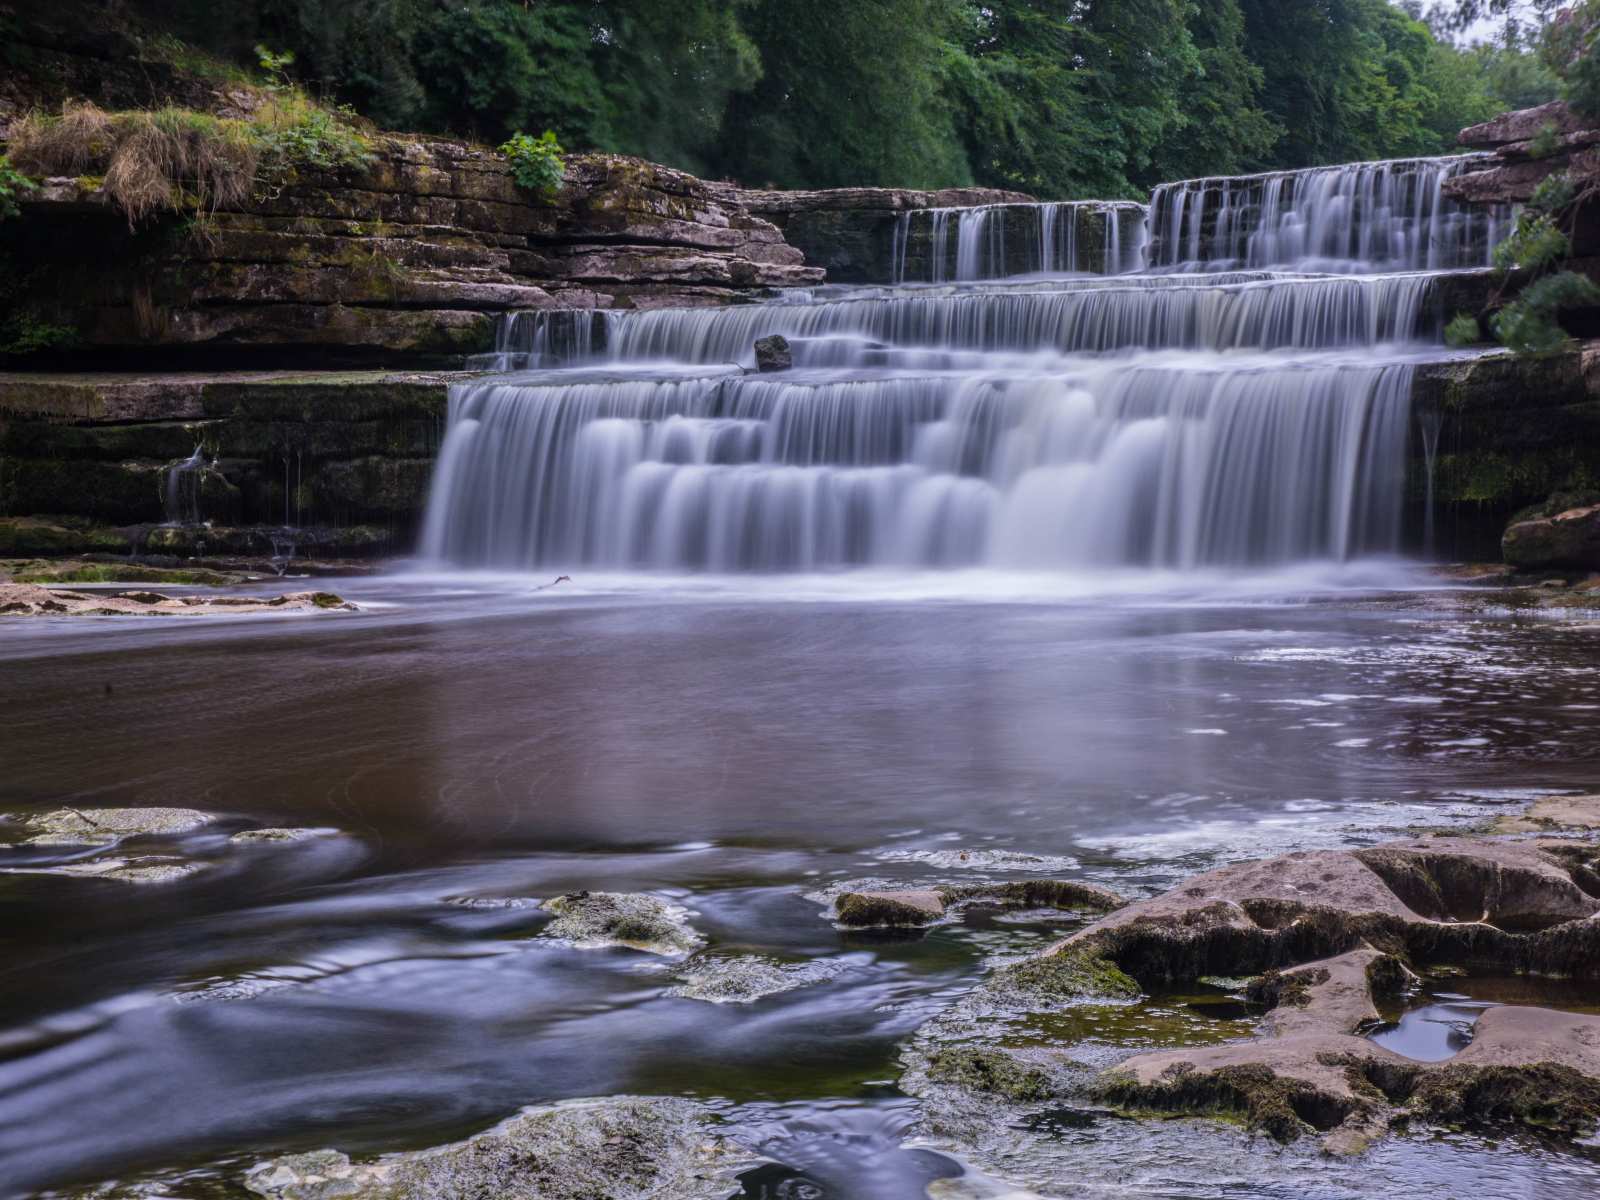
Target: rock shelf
(29,599)
(1330,936)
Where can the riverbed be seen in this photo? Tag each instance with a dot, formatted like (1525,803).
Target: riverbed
(468,744)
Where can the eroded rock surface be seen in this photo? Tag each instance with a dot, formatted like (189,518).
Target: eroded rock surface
(1328,935)
(909,907)
(106,826)
(661,1147)
(595,919)
(32,600)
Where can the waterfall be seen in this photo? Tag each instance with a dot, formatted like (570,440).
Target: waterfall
(1379,216)
(1118,402)
(997,241)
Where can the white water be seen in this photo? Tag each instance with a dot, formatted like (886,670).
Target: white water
(1168,418)
(1051,238)
(1381,216)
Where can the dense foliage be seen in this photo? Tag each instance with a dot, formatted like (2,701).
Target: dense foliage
(1062,98)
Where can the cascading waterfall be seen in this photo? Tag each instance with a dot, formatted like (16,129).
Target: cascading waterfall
(1172,417)
(1380,216)
(999,240)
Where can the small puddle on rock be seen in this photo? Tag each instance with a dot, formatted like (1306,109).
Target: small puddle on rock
(1440,1025)
(1198,1014)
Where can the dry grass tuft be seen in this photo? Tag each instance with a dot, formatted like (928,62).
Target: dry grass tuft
(148,158)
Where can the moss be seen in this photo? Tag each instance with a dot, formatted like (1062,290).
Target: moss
(114,573)
(852,908)
(1279,1106)
(1035,893)
(983,1069)
(1291,989)
(1072,972)
(55,538)
(1387,975)
(1546,1094)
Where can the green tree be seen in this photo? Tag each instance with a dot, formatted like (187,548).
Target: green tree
(1068,99)
(850,94)
(1224,130)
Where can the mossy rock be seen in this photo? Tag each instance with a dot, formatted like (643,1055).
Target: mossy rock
(984,1069)
(1284,1108)
(1073,972)
(112,573)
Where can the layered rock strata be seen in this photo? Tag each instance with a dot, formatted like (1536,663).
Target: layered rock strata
(850,232)
(1520,167)
(409,258)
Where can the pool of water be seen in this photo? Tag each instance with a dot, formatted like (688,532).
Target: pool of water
(738,748)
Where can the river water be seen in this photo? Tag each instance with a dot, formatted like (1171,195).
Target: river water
(734,745)
(1068,577)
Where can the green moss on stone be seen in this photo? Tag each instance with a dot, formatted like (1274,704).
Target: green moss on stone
(1072,972)
(984,1069)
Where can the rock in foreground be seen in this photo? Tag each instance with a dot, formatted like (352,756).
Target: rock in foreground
(27,599)
(1329,936)
(662,1147)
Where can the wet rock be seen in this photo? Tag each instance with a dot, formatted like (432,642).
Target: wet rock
(279,835)
(132,870)
(1070,973)
(663,1147)
(595,919)
(1035,893)
(1329,929)
(26,599)
(1555,812)
(860,910)
(748,978)
(772,354)
(105,826)
(985,1069)
(1568,539)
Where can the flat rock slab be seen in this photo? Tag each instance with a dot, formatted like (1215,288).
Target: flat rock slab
(663,1146)
(1555,812)
(31,600)
(103,826)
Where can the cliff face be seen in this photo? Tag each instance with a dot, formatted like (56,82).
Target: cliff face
(406,260)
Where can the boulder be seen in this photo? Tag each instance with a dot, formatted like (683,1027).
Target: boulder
(772,353)
(1568,539)
(597,919)
(866,909)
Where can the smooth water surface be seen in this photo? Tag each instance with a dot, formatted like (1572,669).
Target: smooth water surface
(734,746)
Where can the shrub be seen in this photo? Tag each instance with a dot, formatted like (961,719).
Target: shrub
(293,132)
(1528,324)
(1463,331)
(13,186)
(535,162)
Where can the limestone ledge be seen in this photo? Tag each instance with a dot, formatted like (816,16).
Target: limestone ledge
(1329,935)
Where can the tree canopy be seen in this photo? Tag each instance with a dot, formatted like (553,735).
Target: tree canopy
(1061,98)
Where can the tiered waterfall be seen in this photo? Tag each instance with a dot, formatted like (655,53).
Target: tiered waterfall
(1224,406)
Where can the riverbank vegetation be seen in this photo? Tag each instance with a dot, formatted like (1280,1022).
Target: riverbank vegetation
(1087,98)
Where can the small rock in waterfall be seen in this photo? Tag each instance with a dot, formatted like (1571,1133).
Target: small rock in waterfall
(593,919)
(772,354)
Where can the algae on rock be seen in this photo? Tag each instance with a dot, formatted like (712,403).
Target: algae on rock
(592,919)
